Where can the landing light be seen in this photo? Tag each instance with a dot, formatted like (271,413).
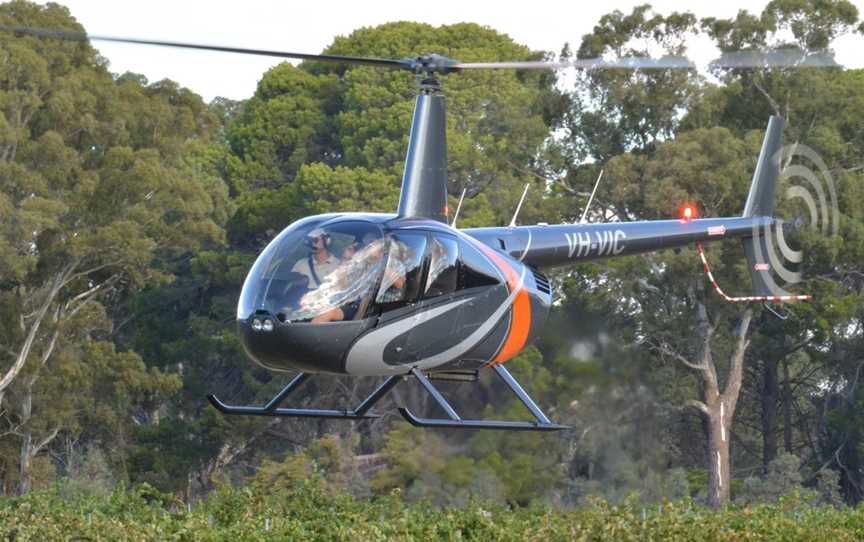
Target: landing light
(688,213)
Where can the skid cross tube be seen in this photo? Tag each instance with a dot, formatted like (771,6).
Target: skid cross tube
(455,422)
(272,406)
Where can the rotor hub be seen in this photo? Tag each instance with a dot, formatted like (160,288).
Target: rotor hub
(430,64)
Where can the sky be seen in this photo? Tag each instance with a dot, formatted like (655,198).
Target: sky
(308,27)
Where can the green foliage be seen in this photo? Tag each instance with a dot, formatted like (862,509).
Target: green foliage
(408,452)
(783,478)
(103,184)
(309,513)
(318,139)
(161,202)
(322,462)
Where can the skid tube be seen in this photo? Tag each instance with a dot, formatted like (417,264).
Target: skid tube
(272,408)
(453,421)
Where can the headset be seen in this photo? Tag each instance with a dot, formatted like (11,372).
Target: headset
(315,234)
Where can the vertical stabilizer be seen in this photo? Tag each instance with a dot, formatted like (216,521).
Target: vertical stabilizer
(761,202)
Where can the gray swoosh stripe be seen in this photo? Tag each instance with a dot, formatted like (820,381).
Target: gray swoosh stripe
(366,357)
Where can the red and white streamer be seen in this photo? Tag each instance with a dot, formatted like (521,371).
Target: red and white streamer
(744,299)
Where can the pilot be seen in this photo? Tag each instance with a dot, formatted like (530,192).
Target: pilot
(320,262)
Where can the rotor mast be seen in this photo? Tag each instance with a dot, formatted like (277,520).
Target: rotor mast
(424,181)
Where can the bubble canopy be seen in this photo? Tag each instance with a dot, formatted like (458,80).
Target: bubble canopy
(316,271)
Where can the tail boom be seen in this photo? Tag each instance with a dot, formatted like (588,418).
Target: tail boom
(565,244)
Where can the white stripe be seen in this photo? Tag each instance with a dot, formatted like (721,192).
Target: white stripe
(366,357)
(743,299)
(719,473)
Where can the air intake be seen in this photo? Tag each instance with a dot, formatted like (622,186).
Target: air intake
(542,282)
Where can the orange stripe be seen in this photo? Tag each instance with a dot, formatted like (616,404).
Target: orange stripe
(520,326)
(520,322)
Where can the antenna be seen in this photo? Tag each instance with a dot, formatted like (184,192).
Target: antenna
(519,207)
(458,208)
(591,198)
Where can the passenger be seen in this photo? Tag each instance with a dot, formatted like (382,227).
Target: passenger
(349,251)
(320,262)
(349,310)
(393,284)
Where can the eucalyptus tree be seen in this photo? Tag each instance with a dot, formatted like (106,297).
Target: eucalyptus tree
(97,194)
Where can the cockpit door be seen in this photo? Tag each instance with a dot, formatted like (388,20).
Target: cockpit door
(440,298)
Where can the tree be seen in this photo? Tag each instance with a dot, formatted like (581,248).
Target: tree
(96,192)
(303,119)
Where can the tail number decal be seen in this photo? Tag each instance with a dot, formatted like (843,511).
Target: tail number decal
(604,243)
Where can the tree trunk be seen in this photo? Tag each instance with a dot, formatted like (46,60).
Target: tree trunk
(770,394)
(787,409)
(29,449)
(717,409)
(26,457)
(718,454)
(24,463)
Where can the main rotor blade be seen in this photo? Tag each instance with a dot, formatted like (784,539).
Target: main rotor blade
(776,58)
(80,36)
(780,58)
(631,63)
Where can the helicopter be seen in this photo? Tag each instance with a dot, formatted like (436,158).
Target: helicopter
(410,295)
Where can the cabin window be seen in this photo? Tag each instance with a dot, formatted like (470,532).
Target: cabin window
(443,274)
(476,270)
(316,273)
(404,271)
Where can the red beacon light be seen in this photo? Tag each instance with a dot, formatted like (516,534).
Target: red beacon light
(688,213)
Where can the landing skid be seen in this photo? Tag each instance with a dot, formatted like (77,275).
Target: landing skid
(272,407)
(361,412)
(455,422)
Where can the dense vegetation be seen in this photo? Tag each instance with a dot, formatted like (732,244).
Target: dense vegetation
(130,212)
(309,513)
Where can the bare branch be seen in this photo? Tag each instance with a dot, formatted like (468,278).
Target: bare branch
(47,440)
(706,332)
(85,297)
(736,371)
(50,349)
(698,405)
(24,352)
(91,270)
(665,350)
(774,105)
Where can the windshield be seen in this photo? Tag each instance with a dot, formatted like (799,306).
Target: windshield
(315,273)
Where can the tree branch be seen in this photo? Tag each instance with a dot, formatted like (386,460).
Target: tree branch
(774,105)
(47,440)
(736,371)
(89,271)
(50,349)
(664,349)
(698,405)
(85,297)
(24,352)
